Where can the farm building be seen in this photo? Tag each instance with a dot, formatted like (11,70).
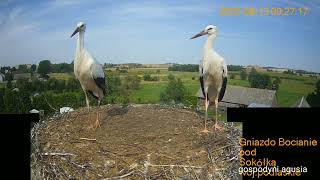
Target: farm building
(2,78)
(237,96)
(274,69)
(25,76)
(301,103)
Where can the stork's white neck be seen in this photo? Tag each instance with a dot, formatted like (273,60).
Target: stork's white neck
(208,45)
(80,43)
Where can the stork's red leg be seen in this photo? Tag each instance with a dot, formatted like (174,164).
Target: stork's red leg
(97,123)
(205,130)
(216,126)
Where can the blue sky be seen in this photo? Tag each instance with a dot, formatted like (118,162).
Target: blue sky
(145,31)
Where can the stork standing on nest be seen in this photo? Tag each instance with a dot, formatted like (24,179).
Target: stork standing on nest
(88,71)
(213,74)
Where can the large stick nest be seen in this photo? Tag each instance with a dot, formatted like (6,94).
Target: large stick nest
(133,142)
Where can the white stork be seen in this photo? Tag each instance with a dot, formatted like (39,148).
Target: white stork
(213,74)
(88,71)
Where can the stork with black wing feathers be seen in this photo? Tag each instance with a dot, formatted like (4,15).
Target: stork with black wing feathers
(88,71)
(213,74)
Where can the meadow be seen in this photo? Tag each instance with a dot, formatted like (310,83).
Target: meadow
(291,89)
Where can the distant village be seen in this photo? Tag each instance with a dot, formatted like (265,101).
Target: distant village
(25,71)
(235,96)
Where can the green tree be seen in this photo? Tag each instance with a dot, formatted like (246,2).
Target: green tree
(184,67)
(261,81)
(33,67)
(44,68)
(8,76)
(133,82)
(252,74)
(23,68)
(314,98)
(243,75)
(171,77)
(234,68)
(9,101)
(61,68)
(175,91)
(23,85)
(148,77)
(16,102)
(9,84)
(276,83)
(318,86)
(113,87)
(73,84)
(2,107)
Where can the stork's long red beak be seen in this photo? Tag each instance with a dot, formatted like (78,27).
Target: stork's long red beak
(199,34)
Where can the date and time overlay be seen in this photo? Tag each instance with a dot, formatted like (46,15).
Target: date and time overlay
(270,11)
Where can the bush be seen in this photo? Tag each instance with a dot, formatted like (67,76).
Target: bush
(122,71)
(243,75)
(175,91)
(232,76)
(119,91)
(49,101)
(314,98)
(113,85)
(276,83)
(44,68)
(61,68)
(16,102)
(191,100)
(184,67)
(261,81)
(133,82)
(234,68)
(148,77)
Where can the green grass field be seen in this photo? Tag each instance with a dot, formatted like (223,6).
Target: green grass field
(149,93)
(292,87)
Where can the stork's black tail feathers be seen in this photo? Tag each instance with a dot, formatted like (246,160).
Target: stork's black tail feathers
(223,89)
(101,83)
(202,86)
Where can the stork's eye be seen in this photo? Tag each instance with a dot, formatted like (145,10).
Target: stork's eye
(209,28)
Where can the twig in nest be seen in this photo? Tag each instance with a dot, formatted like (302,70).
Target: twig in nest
(165,172)
(232,158)
(88,139)
(210,155)
(222,147)
(195,174)
(58,154)
(122,176)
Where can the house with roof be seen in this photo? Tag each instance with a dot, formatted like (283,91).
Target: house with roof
(2,77)
(237,96)
(26,76)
